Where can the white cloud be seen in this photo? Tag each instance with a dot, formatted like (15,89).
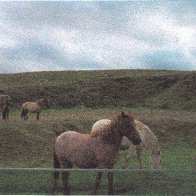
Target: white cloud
(85,34)
(111,50)
(6,40)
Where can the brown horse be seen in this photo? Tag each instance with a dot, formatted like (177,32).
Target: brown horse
(96,150)
(5,104)
(34,107)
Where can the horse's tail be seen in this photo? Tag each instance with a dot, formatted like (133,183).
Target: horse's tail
(56,162)
(5,111)
(56,174)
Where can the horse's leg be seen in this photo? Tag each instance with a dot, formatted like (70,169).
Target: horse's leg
(55,184)
(56,174)
(65,176)
(128,155)
(126,159)
(110,183)
(2,115)
(8,114)
(24,114)
(4,112)
(139,156)
(25,117)
(97,182)
(37,115)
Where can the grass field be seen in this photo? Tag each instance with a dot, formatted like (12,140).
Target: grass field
(29,144)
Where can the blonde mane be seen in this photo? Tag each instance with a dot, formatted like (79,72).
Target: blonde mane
(102,131)
(110,132)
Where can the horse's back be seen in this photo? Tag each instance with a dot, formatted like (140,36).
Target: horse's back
(31,107)
(142,129)
(150,142)
(76,148)
(146,134)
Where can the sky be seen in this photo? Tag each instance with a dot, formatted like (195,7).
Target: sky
(97,35)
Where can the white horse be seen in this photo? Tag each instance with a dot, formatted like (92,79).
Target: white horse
(149,141)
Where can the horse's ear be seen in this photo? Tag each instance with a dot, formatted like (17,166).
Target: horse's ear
(131,115)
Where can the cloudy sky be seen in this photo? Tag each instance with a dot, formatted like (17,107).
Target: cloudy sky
(50,35)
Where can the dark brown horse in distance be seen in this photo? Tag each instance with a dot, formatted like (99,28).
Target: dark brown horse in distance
(34,107)
(95,150)
(5,105)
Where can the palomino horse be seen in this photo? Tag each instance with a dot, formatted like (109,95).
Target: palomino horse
(149,141)
(5,104)
(95,150)
(34,107)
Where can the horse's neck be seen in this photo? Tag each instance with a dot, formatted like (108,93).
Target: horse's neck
(116,135)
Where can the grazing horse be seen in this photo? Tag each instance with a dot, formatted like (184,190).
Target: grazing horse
(149,141)
(34,107)
(5,104)
(95,150)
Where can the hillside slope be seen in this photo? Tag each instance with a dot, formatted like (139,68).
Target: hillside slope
(145,88)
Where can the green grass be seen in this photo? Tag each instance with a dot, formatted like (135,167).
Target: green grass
(82,183)
(29,144)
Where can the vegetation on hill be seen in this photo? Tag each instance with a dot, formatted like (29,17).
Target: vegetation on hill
(143,88)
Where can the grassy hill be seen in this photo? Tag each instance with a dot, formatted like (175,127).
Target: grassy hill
(143,88)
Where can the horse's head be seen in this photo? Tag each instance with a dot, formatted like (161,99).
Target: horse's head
(128,128)
(46,103)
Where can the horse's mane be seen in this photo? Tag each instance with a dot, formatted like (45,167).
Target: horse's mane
(102,131)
